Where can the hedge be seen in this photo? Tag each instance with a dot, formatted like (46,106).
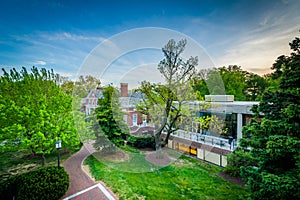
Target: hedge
(46,183)
(144,141)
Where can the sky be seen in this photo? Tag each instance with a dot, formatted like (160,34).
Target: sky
(121,41)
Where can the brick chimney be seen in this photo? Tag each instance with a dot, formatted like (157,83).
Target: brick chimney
(124,89)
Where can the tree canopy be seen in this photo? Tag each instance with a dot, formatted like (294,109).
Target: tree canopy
(275,140)
(35,113)
(164,103)
(231,80)
(110,116)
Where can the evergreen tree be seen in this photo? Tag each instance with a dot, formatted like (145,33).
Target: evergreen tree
(275,140)
(110,117)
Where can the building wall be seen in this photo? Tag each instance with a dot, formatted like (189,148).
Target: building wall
(203,152)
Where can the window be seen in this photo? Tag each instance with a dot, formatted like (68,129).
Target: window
(134,119)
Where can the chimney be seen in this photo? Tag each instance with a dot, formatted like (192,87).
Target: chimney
(124,89)
(99,88)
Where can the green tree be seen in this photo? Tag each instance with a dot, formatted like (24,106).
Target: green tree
(234,79)
(231,80)
(165,103)
(110,117)
(199,84)
(275,140)
(35,113)
(78,88)
(84,84)
(255,86)
(85,125)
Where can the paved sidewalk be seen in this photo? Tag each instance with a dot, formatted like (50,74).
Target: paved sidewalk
(81,185)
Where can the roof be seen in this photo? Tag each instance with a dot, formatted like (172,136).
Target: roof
(131,100)
(98,93)
(243,107)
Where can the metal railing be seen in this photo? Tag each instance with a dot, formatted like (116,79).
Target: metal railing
(206,139)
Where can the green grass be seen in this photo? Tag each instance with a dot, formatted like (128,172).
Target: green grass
(186,178)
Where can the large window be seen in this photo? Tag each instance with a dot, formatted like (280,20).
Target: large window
(230,121)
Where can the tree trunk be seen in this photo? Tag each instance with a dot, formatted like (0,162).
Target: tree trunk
(43,159)
(158,143)
(159,154)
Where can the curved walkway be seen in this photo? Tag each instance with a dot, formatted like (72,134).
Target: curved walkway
(82,186)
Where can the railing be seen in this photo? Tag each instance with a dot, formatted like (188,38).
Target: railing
(206,139)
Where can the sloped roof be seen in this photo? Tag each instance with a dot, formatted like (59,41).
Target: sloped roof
(131,100)
(98,93)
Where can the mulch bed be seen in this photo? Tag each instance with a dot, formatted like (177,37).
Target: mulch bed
(164,161)
(236,180)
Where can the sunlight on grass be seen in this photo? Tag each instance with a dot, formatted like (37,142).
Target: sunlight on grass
(186,178)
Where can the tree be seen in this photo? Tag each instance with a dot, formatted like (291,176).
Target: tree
(275,140)
(83,85)
(234,79)
(231,80)
(199,84)
(79,88)
(85,125)
(35,113)
(165,103)
(110,117)
(255,86)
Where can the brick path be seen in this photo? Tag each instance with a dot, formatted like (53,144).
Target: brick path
(80,182)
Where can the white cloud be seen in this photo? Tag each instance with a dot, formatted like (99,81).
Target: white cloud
(39,62)
(258,48)
(70,36)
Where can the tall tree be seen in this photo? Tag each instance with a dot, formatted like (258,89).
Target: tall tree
(35,111)
(165,102)
(275,140)
(110,116)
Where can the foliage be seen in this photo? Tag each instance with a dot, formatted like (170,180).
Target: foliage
(79,88)
(212,123)
(255,86)
(239,158)
(143,141)
(269,186)
(165,103)
(231,80)
(186,178)
(110,117)
(19,161)
(49,183)
(86,126)
(234,79)
(37,115)
(275,140)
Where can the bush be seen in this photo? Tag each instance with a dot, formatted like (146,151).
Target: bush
(264,185)
(144,141)
(236,160)
(49,183)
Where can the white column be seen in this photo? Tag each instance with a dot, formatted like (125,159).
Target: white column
(239,125)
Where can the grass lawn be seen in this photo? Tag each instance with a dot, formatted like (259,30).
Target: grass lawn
(186,178)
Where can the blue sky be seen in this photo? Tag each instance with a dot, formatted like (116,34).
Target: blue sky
(62,34)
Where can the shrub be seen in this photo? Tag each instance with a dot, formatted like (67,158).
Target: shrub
(49,183)
(236,160)
(264,185)
(144,141)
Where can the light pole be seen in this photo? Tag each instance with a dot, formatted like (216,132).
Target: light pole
(58,146)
